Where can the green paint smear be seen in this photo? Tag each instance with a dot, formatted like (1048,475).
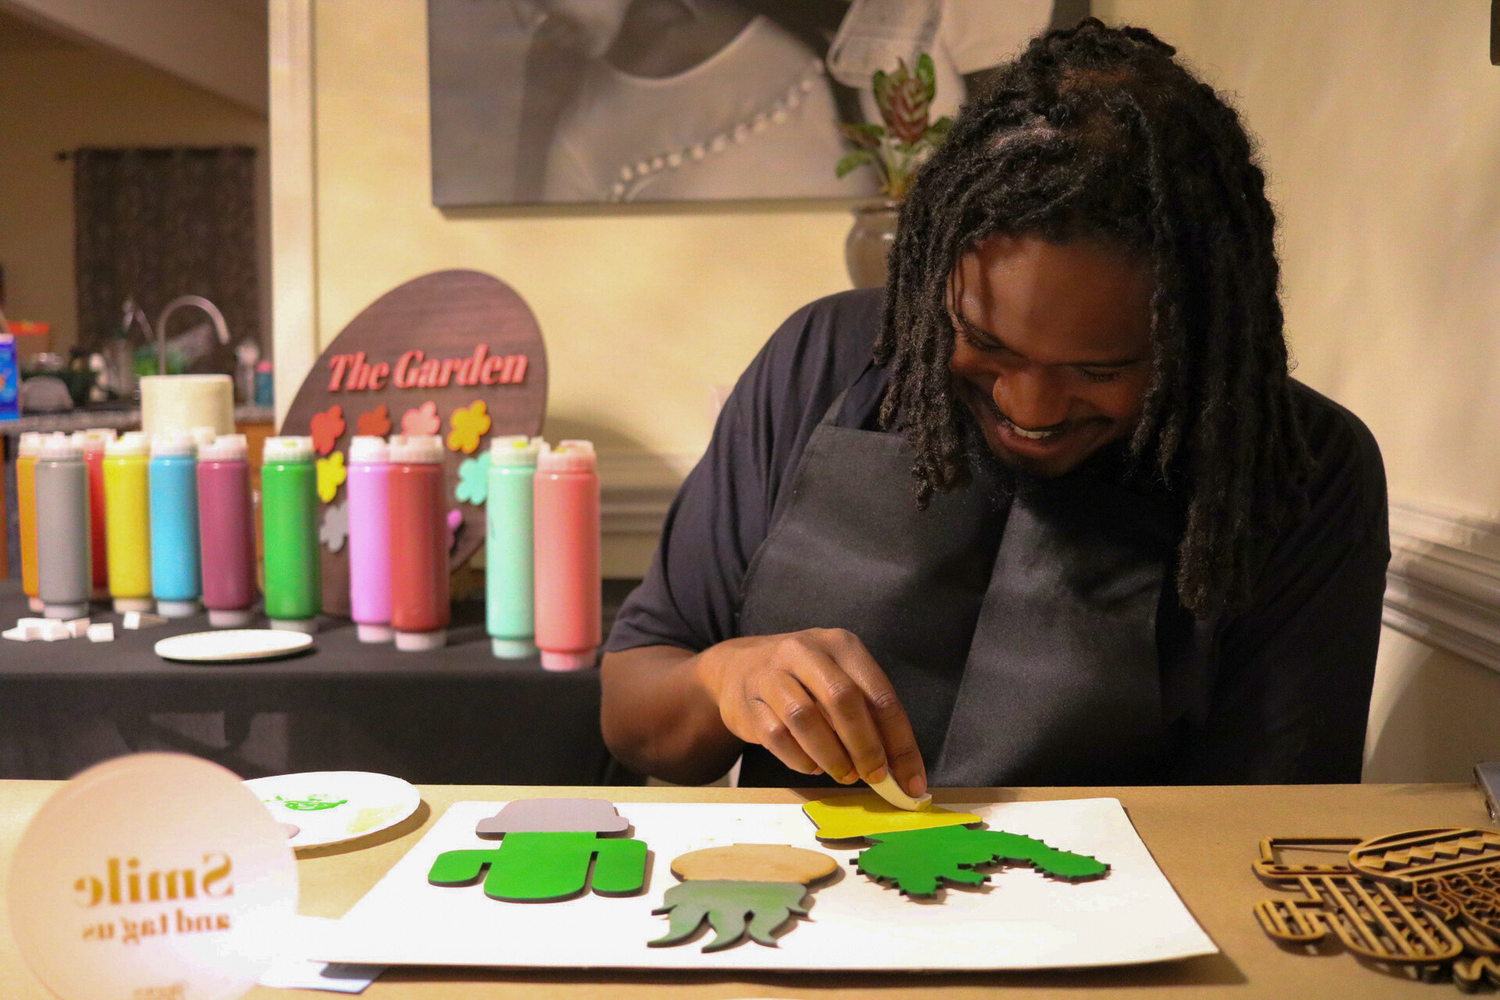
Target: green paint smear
(732,909)
(311,803)
(918,861)
(546,866)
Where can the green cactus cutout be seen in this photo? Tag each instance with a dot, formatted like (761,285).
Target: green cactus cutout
(733,909)
(541,866)
(917,862)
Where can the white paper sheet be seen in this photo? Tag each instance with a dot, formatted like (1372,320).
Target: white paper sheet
(1021,920)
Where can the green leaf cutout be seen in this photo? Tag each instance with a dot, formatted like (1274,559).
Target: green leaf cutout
(917,862)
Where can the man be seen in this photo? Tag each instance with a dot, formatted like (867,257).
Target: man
(1049,510)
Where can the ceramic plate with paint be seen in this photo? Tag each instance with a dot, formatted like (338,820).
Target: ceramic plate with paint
(332,806)
(233,645)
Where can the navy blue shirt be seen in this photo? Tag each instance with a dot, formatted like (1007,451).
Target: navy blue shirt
(1278,692)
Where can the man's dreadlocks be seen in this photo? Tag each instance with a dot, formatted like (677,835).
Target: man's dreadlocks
(1097,133)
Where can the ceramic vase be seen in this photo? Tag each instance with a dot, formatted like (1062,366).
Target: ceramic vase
(870,241)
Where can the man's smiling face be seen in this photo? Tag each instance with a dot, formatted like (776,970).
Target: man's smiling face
(1052,347)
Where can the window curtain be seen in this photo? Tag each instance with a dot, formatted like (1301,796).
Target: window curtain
(153,224)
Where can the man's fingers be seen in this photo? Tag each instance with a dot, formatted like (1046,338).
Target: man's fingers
(771,733)
(845,704)
(803,718)
(890,721)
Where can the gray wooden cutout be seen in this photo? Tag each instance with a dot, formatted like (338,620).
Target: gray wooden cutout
(553,816)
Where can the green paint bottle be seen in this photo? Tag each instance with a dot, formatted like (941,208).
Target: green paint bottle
(289,516)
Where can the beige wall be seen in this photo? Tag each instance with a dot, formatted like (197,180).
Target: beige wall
(643,309)
(1380,129)
(55,98)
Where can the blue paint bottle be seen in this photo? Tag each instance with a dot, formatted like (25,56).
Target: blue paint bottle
(176,576)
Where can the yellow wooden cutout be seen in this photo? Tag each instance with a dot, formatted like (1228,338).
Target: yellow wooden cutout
(849,816)
(755,863)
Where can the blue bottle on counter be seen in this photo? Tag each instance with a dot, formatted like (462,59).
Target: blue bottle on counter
(176,576)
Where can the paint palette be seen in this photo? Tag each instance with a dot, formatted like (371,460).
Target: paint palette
(328,807)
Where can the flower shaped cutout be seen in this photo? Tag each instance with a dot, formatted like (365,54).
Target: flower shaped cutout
(470,425)
(331,475)
(423,420)
(327,428)
(335,530)
(375,423)
(473,480)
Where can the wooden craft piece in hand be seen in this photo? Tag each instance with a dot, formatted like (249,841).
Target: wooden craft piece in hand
(846,817)
(1427,899)
(743,889)
(543,815)
(918,862)
(537,867)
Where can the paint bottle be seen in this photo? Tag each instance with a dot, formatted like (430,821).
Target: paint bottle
(369,486)
(127,520)
(569,616)
(176,573)
(94,439)
(27,450)
(64,572)
(419,542)
(289,519)
(509,581)
(226,531)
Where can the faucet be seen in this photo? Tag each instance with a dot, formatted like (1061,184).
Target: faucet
(220,327)
(135,314)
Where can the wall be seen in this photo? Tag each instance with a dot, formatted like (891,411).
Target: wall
(1380,129)
(57,96)
(644,310)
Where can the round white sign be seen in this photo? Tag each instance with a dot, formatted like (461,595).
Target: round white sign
(152,877)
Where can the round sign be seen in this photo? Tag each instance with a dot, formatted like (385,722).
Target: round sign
(152,876)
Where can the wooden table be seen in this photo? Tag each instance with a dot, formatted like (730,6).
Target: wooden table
(1203,838)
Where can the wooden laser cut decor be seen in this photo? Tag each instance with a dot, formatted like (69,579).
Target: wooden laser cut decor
(921,852)
(1426,899)
(752,890)
(452,343)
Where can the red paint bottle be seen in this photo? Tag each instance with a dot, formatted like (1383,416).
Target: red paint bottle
(569,585)
(226,531)
(419,542)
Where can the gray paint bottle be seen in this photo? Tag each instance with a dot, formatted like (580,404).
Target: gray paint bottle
(64,569)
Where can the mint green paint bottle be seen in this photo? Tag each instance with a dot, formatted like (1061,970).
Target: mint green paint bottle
(510,596)
(289,517)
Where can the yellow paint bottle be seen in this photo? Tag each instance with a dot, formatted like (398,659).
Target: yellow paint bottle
(26,454)
(127,521)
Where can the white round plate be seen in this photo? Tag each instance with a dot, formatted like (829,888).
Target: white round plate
(228,645)
(332,806)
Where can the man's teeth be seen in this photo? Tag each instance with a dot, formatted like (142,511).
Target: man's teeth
(1031,435)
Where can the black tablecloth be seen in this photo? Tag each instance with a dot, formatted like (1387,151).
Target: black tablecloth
(451,716)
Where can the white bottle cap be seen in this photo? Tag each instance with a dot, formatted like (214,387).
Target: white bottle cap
(287,449)
(373,633)
(202,435)
(59,447)
(514,449)
(136,604)
(129,444)
(416,449)
(567,661)
(172,444)
(568,456)
(228,448)
(366,449)
(421,642)
(177,609)
(99,435)
(30,445)
(223,618)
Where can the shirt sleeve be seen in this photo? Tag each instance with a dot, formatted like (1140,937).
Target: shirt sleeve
(690,595)
(1290,695)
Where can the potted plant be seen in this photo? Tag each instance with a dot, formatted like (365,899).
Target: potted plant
(894,151)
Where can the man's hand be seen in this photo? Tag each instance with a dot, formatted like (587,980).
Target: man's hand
(818,701)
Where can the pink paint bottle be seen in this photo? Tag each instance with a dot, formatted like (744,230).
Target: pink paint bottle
(369,487)
(419,542)
(94,440)
(226,531)
(569,616)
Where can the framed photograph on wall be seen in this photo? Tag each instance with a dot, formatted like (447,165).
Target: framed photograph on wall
(609,101)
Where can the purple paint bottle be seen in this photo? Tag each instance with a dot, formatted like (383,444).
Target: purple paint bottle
(226,530)
(369,487)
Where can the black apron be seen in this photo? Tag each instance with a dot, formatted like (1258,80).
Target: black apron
(1018,628)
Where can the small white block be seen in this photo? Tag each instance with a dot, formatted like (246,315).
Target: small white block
(55,630)
(77,627)
(102,632)
(32,622)
(18,634)
(142,619)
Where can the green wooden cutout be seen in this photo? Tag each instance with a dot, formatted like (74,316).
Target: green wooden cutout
(546,866)
(733,909)
(917,861)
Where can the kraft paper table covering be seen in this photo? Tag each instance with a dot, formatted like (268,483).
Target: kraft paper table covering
(1204,839)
